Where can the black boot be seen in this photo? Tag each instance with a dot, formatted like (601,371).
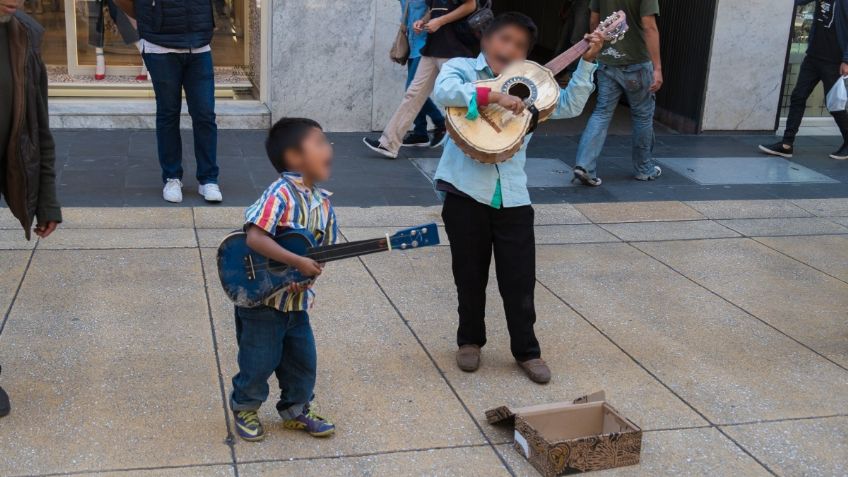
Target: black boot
(5,407)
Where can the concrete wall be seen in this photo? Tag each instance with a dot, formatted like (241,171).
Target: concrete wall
(747,64)
(329,61)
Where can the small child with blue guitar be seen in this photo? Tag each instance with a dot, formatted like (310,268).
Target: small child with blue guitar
(276,337)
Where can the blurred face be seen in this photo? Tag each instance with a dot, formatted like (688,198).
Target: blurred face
(8,8)
(314,160)
(504,46)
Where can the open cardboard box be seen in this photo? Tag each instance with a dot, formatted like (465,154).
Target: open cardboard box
(566,438)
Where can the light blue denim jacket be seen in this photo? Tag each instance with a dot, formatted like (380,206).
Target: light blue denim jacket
(455,87)
(417,10)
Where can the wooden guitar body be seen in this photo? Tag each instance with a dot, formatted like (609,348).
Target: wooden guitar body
(498,134)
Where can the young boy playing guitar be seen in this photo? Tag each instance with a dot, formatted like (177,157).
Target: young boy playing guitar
(276,338)
(487,206)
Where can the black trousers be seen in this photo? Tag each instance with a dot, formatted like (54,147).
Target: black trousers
(475,230)
(812,72)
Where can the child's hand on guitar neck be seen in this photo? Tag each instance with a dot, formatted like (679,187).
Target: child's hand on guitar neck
(596,42)
(512,103)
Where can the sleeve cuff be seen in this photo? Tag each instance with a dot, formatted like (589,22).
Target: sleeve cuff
(49,215)
(587,67)
(483,96)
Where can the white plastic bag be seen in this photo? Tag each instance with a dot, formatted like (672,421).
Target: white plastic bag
(837,98)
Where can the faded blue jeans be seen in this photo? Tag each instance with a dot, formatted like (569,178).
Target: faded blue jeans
(429,109)
(171,74)
(614,81)
(274,342)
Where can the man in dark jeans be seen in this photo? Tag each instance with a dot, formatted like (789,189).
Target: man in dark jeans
(174,43)
(826,62)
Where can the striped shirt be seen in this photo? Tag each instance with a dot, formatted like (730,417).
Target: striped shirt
(289,204)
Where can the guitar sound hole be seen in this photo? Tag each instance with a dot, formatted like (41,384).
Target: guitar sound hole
(520,90)
(277,268)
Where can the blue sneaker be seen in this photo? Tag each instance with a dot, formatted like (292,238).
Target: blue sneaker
(248,426)
(310,422)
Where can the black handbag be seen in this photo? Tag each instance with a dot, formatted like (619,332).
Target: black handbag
(471,28)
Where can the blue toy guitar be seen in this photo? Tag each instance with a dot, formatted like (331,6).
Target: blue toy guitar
(249,278)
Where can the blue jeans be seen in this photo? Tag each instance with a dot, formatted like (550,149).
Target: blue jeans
(171,73)
(429,109)
(613,81)
(274,342)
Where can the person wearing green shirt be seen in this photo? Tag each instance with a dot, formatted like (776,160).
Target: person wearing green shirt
(630,67)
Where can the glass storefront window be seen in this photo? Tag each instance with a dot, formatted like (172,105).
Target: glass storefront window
(797,49)
(77,30)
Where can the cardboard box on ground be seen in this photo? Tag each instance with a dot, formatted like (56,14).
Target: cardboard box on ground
(579,436)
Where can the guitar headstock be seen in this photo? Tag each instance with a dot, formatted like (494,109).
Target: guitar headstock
(415,237)
(614,27)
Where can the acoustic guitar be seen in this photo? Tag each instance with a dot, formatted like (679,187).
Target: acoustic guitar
(497,134)
(249,278)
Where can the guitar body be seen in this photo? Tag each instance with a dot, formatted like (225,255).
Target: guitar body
(498,134)
(249,278)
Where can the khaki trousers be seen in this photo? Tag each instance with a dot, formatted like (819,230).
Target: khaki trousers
(414,98)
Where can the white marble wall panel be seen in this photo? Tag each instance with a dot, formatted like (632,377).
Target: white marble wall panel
(322,61)
(747,64)
(389,77)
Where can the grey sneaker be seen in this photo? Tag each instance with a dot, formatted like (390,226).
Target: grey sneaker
(649,177)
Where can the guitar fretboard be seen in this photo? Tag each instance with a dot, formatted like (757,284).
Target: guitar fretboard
(561,62)
(328,253)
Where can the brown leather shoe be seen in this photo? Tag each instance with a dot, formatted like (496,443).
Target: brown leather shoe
(537,370)
(468,358)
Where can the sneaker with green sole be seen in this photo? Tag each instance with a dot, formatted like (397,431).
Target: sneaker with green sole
(248,426)
(311,422)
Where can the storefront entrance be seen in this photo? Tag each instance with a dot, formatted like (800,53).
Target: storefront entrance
(77,31)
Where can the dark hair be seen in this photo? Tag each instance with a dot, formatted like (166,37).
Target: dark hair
(285,134)
(514,19)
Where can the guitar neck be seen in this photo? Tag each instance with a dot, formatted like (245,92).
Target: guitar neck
(561,62)
(329,253)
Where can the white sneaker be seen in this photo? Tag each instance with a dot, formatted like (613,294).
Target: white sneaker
(210,192)
(173,191)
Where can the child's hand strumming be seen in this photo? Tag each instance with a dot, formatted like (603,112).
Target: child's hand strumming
(512,103)
(308,267)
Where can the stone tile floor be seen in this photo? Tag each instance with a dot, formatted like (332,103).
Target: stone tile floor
(720,327)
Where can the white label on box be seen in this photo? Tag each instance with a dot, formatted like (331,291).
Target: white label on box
(521,441)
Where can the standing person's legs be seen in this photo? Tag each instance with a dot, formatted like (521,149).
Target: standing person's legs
(636,81)
(829,73)
(595,134)
(298,368)
(420,124)
(808,79)
(167,71)
(260,333)
(416,95)
(199,83)
(515,265)
(469,231)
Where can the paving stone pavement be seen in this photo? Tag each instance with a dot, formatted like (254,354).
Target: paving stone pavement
(719,327)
